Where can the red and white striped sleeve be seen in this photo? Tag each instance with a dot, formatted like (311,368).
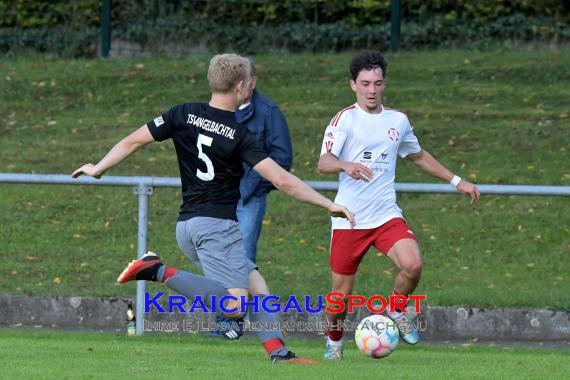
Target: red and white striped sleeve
(336,133)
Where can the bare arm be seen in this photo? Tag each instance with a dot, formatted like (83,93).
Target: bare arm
(294,187)
(425,161)
(117,154)
(329,163)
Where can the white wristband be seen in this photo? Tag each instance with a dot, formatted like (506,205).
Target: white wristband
(455,181)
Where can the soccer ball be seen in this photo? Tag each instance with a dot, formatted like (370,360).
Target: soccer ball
(377,336)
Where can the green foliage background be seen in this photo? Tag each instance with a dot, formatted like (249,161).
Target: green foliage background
(71,28)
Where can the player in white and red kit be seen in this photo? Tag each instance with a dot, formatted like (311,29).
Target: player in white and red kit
(362,143)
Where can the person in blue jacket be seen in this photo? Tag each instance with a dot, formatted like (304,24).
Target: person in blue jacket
(265,121)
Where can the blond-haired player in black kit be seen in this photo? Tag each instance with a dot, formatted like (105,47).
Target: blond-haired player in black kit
(211,146)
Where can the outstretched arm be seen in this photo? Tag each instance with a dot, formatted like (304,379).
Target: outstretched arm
(425,161)
(294,187)
(117,154)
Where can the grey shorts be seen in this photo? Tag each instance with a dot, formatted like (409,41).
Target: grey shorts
(216,246)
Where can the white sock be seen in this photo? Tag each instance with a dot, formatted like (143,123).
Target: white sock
(395,314)
(331,342)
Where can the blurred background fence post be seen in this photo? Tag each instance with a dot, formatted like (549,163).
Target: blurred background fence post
(395,21)
(105,28)
(143,191)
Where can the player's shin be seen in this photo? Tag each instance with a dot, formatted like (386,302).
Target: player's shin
(191,285)
(335,331)
(335,320)
(267,329)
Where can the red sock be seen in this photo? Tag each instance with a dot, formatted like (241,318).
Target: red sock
(396,308)
(168,273)
(335,332)
(272,345)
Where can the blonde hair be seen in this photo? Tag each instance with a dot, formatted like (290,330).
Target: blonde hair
(227,70)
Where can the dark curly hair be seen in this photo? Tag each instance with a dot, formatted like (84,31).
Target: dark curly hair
(367,60)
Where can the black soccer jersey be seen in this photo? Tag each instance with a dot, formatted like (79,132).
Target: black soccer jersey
(210,146)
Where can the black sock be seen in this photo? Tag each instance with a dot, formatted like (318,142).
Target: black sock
(150,273)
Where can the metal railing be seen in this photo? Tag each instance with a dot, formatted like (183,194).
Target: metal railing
(143,188)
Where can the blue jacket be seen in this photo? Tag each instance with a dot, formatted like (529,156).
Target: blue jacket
(268,125)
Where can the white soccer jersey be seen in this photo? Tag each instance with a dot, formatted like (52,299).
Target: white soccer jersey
(374,140)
